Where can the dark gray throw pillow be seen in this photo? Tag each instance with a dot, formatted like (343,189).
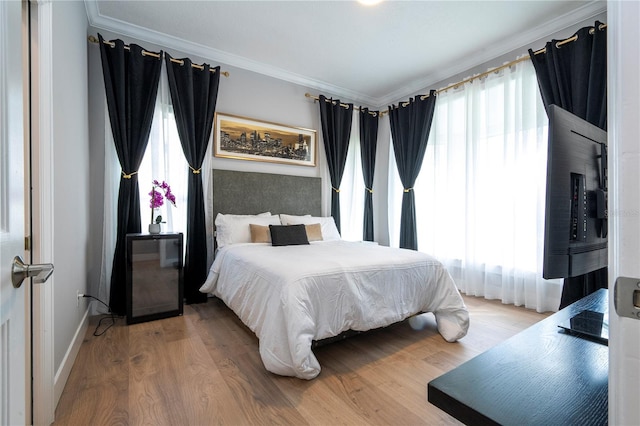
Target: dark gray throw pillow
(288,235)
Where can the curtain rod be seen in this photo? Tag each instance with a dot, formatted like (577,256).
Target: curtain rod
(570,39)
(488,72)
(317,98)
(93,39)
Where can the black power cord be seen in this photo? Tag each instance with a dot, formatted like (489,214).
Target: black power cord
(111,316)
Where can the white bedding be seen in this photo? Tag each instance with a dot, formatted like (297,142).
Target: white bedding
(291,295)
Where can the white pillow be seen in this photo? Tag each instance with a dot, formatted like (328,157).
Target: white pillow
(234,228)
(243,215)
(327,224)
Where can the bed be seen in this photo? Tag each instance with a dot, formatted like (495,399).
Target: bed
(292,293)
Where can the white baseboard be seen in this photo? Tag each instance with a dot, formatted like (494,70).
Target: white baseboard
(62,375)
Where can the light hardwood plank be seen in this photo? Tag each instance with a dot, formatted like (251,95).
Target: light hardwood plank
(204,368)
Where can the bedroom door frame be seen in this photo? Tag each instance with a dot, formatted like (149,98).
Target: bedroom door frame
(45,394)
(624,203)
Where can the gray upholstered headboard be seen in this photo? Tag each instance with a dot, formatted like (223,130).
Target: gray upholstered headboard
(252,193)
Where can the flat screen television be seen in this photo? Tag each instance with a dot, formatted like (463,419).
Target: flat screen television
(575,230)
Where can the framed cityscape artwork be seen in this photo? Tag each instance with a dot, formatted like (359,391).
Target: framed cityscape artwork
(248,139)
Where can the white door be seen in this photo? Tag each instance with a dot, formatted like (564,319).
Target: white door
(15,354)
(624,204)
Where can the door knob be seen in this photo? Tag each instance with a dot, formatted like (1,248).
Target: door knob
(20,271)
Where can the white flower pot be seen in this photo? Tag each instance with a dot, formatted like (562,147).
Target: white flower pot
(154,228)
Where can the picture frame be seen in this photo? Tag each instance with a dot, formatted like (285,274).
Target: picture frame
(245,138)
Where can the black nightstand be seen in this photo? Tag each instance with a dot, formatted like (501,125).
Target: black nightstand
(154,276)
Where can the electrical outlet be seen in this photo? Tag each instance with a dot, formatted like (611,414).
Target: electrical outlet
(78,297)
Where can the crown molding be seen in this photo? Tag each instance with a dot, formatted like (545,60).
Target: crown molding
(218,56)
(524,38)
(518,41)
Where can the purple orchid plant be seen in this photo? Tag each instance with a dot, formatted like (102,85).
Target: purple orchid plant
(157,198)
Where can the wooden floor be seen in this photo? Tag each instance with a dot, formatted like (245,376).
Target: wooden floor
(204,368)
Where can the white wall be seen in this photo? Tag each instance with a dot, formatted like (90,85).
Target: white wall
(70,170)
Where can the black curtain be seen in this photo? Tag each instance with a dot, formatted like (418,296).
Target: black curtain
(194,93)
(368,145)
(131,85)
(573,76)
(336,120)
(410,127)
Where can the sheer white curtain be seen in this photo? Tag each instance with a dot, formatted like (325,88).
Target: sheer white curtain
(352,188)
(163,161)
(109,215)
(480,193)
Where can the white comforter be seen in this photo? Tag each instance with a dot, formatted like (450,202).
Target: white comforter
(291,295)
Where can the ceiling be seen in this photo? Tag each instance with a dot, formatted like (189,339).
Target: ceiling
(375,55)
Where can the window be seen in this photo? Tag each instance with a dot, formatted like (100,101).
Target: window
(352,188)
(164,161)
(480,193)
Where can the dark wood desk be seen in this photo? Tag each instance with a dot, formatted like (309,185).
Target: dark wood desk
(541,376)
